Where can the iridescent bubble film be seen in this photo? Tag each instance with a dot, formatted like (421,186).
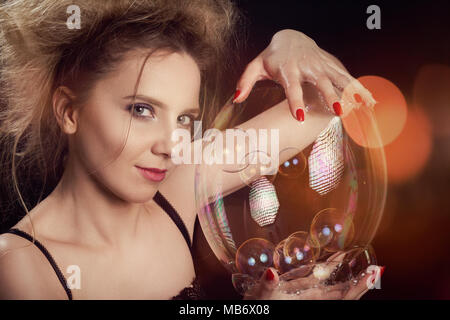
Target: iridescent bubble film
(308,210)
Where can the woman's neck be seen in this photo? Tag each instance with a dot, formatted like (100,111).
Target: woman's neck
(93,212)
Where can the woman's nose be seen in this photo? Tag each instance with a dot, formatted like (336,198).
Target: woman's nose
(163,143)
(161,149)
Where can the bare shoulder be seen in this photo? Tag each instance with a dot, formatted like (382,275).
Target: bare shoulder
(25,273)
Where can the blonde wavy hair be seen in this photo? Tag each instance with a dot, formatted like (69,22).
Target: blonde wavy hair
(39,53)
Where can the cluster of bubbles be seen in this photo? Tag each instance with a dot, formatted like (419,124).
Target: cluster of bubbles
(331,231)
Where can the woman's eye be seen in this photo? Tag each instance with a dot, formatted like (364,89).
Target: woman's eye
(142,110)
(185,120)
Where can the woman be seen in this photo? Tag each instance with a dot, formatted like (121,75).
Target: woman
(94,108)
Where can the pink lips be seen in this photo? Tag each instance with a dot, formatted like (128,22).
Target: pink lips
(153,174)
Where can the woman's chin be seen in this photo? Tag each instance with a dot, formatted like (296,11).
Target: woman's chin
(142,197)
(137,193)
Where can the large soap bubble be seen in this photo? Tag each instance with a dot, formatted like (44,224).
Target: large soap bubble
(320,206)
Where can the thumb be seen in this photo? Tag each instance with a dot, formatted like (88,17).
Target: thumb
(253,73)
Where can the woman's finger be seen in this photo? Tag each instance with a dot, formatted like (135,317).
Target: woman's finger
(332,99)
(373,274)
(253,73)
(365,94)
(350,97)
(358,290)
(294,95)
(339,79)
(355,90)
(266,287)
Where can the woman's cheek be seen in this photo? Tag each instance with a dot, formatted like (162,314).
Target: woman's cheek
(114,155)
(101,138)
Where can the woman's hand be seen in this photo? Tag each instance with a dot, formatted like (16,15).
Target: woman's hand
(270,289)
(293,58)
(309,288)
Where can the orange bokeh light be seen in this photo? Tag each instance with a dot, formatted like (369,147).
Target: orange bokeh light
(389,113)
(408,154)
(432,90)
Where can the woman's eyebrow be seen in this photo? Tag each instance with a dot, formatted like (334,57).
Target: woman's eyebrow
(148,99)
(195,111)
(158,103)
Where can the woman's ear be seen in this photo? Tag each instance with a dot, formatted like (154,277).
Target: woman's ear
(64,109)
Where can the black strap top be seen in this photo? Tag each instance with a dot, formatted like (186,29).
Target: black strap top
(49,257)
(167,207)
(193,292)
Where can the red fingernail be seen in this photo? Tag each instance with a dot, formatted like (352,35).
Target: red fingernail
(337,108)
(357,97)
(300,115)
(269,275)
(382,270)
(236,94)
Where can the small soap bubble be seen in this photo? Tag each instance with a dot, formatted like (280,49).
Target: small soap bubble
(332,229)
(254,256)
(293,167)
(294,252)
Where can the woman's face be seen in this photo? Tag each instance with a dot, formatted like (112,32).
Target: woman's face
(167,99)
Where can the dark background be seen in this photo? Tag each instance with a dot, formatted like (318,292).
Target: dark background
(413,239)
